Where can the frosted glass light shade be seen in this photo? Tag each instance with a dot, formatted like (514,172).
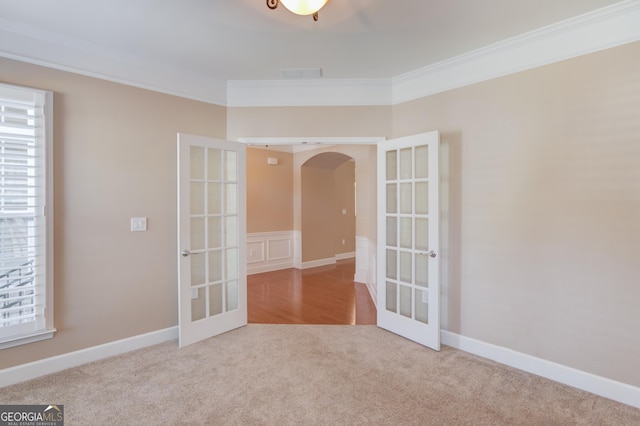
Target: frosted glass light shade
(304,7)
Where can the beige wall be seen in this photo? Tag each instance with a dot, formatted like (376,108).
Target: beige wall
(115,157)
(543,207)
(269,191)
(318,209)
(355,121)
(325,192)
(344,190)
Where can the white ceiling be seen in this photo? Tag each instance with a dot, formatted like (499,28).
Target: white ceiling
(207,42)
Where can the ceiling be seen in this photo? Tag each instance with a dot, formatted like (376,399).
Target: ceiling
(220,41)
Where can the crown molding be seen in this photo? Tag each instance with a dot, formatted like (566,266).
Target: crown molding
(601,29)
(35,46)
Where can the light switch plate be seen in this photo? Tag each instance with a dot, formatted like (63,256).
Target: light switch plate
(138,224)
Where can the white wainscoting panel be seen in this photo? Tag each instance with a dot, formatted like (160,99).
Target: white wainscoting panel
(366,265)
(270,251)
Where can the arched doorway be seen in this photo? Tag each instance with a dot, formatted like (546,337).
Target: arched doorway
(328,216)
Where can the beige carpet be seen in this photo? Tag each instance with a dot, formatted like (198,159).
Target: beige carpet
(311,375)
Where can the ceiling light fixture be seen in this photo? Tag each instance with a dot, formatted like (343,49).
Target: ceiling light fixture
(300,7)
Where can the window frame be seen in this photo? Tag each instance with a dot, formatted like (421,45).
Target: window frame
(44,100)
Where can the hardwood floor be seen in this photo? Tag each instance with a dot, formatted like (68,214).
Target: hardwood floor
(323,295)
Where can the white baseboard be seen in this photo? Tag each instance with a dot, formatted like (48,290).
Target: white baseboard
(344,256)
(21,373)
(617,391)
(318,262)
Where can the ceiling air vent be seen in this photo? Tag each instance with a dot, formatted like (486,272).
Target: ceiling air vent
(302,72)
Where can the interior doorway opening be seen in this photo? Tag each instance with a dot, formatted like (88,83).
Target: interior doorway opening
(328,216)
(272,250)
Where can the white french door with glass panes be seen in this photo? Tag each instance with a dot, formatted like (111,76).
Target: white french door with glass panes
(408,238)
(211,237)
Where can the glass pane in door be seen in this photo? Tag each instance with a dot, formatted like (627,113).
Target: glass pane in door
(405,267)
(422,197)
(197,270)
(232,295)
(215,232)
(405,232)
(215,265)
(405,301)
(392,198)
(391,297)
(198,304)
(231,166)
(422,161)
(231,264)
(422,234)
(392,165)
(196,162)
(392,231)
(231,231)
(392,268)
(231,205)
(406,199)
(214,165)
(215,299)
(422,270)
(215,198)
(422,306)
(197,233)
(406,169)
(197,198)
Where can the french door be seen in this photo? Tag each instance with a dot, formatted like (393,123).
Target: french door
(211,237)
(408,238)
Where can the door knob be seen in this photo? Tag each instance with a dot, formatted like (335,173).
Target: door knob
(185,253)
(429,253)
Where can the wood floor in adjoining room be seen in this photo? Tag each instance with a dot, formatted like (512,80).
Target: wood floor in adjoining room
(322,295)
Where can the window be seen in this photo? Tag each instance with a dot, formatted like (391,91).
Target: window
(26,220)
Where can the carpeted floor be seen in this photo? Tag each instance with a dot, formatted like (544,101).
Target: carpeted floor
(311,375)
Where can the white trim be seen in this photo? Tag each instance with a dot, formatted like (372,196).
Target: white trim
(344,256)
(362,258)
(297,140)
(601,29)
(23,372)
(617,391)
(318,262)
(268,260)
(297,249)
(31,338)
(366,266)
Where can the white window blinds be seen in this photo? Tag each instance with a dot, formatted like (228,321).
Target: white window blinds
(23,220)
